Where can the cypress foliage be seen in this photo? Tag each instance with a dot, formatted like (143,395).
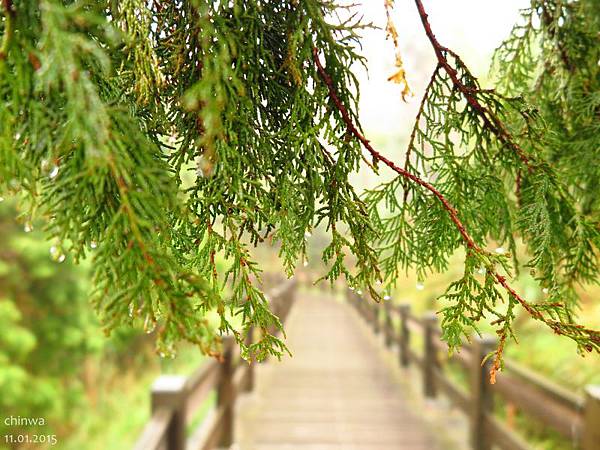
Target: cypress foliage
(160,135)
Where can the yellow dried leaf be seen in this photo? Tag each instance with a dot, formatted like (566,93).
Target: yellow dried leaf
(391,32)
(400,78)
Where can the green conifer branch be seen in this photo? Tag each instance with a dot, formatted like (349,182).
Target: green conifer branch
(587,339)
(167,139)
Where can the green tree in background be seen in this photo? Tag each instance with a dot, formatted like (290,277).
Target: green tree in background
(48,328)
(108,106)
(54,357)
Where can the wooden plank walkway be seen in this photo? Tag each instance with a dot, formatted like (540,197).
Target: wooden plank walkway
(333,394)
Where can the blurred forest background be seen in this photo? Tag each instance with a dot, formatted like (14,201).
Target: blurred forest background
(93,390)
(56,362)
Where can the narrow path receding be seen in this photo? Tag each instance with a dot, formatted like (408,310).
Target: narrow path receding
(333,394)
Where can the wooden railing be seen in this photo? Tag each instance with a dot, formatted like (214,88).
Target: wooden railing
(175,400)
(575,418)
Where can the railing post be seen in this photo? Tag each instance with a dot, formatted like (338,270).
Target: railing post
(225,395)
(482,400)
(169,391)
(430,357)
(388,324)
(404,346)
(250,377)
(591,419)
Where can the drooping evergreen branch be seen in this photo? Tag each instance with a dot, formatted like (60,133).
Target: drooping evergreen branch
(561,237)
(590,338)
(488,117)
(379,157)
(516,125)
(173,137)
(550,58)
(160,146)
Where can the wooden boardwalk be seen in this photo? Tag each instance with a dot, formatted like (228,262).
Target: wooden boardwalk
(333,394)
(343,390)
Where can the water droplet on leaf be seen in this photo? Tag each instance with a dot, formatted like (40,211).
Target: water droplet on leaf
(387,297)
(93,244)
(500,250)
(419,286)
(54,172)
(57,254)
(149,324)
(28,227)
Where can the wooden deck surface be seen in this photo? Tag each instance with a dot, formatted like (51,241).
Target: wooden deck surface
(333,394)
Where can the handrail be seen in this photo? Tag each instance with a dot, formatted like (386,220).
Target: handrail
(176,399)
(199,385)
(550,388)
(152,438)
(539,404)
(575,418)
(502,435)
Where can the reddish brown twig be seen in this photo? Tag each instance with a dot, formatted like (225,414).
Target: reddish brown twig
(499,129)
(452,212)
(490,120)
(379,157)
(501,280)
